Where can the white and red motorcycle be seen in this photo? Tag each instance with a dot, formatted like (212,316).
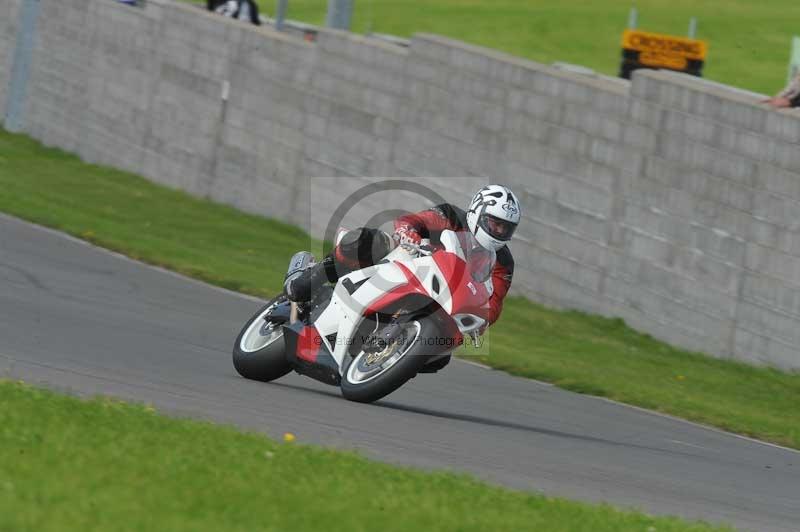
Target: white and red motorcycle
(379,326)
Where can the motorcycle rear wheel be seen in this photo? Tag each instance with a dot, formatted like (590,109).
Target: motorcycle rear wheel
(259,352)
(368,378)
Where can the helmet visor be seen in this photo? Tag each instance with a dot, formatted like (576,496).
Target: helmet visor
(497,227)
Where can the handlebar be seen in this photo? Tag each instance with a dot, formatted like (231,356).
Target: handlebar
(423,249)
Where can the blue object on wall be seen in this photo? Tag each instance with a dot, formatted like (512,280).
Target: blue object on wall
(21,66)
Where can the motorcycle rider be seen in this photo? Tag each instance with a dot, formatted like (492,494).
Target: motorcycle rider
(492,216)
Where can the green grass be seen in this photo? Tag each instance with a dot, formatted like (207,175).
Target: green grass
(155,224)
(104,465)
(243,252)
(748,40)
(600,356)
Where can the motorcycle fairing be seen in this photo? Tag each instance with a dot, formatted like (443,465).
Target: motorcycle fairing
(368,290)
(375,288)
(308,354)
(467,296)
(346,310)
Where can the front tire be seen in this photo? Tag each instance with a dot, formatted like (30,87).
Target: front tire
(259,352)
(365,381)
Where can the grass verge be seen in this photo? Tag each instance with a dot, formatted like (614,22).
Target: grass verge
(105,465)
(243,252)
(749,41)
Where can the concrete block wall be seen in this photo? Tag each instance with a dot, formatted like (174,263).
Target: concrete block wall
(356,93)
(555,137)
(671,202)
(727,169)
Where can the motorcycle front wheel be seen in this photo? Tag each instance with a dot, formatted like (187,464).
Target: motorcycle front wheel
(259,352)
(371,376)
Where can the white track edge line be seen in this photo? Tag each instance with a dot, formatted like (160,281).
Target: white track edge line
(695,423)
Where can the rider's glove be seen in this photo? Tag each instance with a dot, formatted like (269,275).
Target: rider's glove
(405,235)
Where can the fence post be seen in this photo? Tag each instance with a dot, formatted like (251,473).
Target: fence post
(339,14)
(280,16)
(692,27)
(633,18)
(21,66)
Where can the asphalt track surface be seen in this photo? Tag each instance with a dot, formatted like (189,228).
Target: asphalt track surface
(81,319)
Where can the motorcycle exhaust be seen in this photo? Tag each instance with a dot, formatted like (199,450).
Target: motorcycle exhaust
(299,263)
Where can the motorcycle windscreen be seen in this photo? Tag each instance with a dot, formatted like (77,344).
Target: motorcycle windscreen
(480,260)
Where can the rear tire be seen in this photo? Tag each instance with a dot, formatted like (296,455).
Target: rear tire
(259,362)
(361,387)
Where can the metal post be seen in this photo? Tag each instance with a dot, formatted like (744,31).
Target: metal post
(20,69)
(633,18)
(794,61)
(339,14)
(692,27)
(280,15)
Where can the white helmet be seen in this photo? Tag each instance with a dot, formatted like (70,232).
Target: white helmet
(493,215)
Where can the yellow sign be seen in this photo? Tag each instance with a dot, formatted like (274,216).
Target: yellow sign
(666,46)
(659,60)
(642,49)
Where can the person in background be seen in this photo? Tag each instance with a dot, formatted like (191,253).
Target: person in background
(239,9)
(788,97)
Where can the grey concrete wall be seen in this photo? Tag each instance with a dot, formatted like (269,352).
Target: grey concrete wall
(670,202)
